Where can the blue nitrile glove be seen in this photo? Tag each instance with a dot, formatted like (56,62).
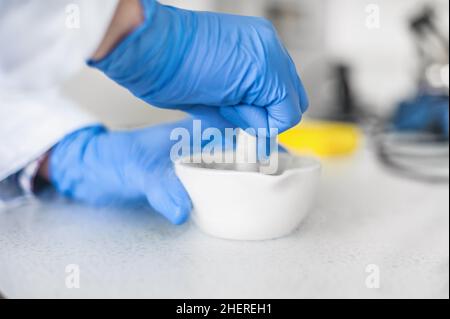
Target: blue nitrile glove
(238,64)
(100,167)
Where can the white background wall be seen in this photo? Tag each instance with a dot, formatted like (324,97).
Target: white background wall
(383,59)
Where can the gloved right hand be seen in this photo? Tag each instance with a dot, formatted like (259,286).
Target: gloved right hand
(238,65)
(100,167)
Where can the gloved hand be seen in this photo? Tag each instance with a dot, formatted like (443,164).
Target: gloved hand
(100,167)
(237,64)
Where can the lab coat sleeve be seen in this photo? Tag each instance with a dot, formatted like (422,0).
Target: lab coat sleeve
(30,125)
(42,46)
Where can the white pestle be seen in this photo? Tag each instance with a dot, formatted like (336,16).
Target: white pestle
(247,159)
(246,152)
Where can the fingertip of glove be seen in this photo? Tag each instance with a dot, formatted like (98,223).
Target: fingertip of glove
(176,209)
(182,207)
(180,216)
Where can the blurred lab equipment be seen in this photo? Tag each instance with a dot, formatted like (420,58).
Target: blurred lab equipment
(428,111)
(421,157)
(415,141)
(424,113)
(433,51)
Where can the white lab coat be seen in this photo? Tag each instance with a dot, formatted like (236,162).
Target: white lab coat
(42,43)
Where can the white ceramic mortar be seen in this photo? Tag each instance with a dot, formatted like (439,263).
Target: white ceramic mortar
(247,205)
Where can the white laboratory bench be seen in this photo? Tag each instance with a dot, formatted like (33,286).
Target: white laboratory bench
(364,216)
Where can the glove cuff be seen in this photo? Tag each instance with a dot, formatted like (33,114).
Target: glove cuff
(104,64)
(147,59)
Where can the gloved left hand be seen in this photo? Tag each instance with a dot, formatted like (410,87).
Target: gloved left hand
(100,167)
(179,58)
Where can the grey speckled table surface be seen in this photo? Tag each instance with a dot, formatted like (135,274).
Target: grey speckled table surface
(363,216)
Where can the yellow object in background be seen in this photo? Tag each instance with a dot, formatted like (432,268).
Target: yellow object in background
(323,139)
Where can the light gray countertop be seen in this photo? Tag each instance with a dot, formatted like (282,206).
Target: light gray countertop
(363,216)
